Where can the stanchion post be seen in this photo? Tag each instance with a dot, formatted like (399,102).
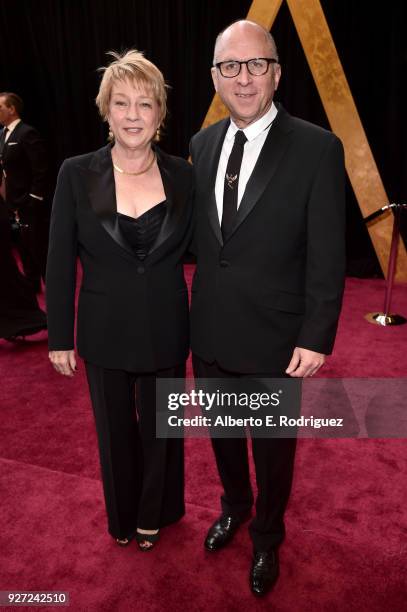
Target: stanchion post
(386,318)
(391,270)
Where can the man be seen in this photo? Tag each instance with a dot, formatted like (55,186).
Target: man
(267,292)
(24,184)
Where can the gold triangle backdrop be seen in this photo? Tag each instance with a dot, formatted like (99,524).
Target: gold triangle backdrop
(336,97)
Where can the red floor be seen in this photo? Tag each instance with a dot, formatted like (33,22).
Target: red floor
(346,546)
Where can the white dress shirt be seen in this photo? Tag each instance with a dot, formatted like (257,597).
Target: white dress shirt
(256,134)
(11,127)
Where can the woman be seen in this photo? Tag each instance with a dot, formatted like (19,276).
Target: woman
(125,210)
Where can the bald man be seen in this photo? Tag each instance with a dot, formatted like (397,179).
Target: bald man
(267,291)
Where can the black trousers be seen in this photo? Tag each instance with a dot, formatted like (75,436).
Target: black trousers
(143,476)
(274,464)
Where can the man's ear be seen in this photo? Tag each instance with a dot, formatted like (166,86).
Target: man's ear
(214,74)
(277,75)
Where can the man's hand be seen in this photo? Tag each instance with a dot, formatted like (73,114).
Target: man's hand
(304,363)
(64,362)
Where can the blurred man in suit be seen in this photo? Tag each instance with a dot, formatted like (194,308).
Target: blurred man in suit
(20,314)
(24,185)
(266,296)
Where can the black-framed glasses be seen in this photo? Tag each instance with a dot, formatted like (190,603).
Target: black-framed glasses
(256,66)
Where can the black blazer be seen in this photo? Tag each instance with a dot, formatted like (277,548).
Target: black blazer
(277,281)
(25,163)
(132,315)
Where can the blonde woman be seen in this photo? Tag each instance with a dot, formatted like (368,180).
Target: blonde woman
(125,210)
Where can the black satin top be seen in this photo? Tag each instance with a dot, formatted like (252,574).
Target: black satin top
(142,232)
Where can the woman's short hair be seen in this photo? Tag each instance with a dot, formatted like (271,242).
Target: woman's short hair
(133,66)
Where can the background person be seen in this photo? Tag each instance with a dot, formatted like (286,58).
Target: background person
(24,185)
(20,314)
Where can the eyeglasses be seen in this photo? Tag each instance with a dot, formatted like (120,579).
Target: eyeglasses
(256,66)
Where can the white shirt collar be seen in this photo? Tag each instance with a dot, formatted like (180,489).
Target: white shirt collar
(254,129)
(12,125)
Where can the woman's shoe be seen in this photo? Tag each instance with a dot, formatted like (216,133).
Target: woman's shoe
(146,541)
(123,541)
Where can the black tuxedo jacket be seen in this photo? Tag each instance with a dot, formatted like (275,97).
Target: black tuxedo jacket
(277,281)
(25,164)
(132,315)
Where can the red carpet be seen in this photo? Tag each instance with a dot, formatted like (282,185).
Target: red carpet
(346,546)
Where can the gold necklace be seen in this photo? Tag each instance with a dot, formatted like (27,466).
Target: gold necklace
(135,173)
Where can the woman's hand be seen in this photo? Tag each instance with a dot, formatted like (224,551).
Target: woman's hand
(64,362)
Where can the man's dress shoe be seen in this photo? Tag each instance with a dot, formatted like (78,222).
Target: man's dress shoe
(264,572)
(221,532)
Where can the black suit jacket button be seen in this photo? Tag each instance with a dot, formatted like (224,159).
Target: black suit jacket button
(141,269)
(224,263)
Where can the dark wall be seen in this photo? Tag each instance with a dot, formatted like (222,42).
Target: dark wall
(50,51)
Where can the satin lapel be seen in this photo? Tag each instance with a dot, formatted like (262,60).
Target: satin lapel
(277,142)
(215,145)
(174,203)
(102,195)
